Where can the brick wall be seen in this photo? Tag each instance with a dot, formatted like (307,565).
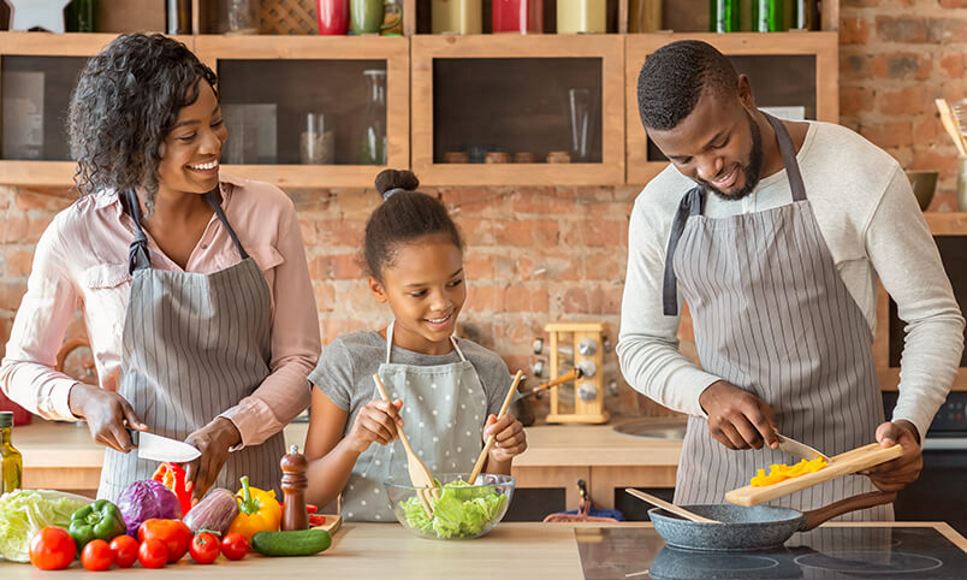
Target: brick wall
(543,254)
(896,57)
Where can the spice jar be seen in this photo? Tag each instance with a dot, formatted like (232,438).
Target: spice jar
(581,16)
(457,16)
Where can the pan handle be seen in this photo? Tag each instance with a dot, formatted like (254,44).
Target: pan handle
(814,518)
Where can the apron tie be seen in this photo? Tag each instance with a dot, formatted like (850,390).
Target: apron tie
(691,204)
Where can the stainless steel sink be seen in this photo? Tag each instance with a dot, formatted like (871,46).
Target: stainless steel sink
(653,428)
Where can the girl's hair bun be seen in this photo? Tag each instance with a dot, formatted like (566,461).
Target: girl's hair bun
(389,181)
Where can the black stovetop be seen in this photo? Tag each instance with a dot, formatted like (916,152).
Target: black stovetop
(833,552)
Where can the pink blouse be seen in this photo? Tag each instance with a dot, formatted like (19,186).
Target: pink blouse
(82,259)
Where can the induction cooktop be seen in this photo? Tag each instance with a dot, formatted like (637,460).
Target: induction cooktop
(827,553)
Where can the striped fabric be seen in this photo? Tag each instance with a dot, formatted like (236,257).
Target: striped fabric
(193,346)
(772,316)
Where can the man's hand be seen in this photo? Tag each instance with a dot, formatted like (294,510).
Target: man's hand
(895,475)
(737,418)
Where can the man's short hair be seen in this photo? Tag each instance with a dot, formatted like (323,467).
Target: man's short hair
(675,76)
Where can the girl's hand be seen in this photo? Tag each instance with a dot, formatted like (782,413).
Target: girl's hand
(510,439)
(213,440)
(377,421)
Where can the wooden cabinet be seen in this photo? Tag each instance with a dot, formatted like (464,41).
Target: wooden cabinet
(499,110)
(786,69)
(269,85)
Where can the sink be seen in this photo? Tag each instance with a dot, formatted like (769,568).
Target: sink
(653,428)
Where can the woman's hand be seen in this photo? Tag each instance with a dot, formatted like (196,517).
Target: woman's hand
(377,422)
(107,414)
(213,440)
(509,438)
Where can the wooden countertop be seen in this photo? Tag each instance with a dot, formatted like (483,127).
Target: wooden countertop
(515,550)
(47,444)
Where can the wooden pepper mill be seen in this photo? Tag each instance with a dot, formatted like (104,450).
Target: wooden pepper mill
(294,483)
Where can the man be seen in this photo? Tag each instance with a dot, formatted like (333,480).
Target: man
(774,233)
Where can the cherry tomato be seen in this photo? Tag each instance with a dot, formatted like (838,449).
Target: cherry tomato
(124,548)
(153,553)
(204,548)
(174,533)
(52,548)
(235,546)
(96,556)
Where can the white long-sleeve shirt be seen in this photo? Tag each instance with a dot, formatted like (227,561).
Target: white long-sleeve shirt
(873,227)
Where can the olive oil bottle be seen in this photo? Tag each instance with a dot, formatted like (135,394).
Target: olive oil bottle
(11,462)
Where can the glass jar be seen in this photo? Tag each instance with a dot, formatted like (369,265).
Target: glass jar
(725,16)
(333,16)
(317,144)
(237,16)
(79,16)
(11,462)
(372,146)
(457,17)
(521,16)
(581,16)
(365,16)
(392,18)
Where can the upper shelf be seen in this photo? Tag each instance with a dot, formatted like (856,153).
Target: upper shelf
(525,99)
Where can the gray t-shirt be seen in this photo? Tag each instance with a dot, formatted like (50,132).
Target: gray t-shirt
(345,369)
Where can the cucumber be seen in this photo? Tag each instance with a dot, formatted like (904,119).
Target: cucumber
(291,543)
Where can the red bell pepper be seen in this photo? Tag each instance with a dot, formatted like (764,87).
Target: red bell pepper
(172,476)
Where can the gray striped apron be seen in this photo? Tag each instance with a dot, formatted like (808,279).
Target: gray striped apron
(193,346)
(772,316)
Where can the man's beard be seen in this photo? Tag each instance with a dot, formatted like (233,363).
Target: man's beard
(752,170)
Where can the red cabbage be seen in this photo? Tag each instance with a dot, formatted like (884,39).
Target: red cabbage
(143,500)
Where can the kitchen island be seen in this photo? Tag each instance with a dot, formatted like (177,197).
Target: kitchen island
(512,550)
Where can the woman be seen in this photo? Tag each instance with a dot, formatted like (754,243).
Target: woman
(195,288)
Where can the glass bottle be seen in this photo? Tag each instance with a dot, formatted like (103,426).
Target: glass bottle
(644,16)
(365,16)
(392,18)
(11,462)
(372,147)
(80,16)
(767,15)
(333,16)
(724,15)
(178,16)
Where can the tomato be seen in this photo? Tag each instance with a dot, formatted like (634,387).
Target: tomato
(96,556)
(153,553)
(235,546)
(204,548)
(52,548)
(124,548)
(174,533)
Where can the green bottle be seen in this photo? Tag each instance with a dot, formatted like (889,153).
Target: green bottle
(768,16)
(11,462)
(79,16)
(724,16)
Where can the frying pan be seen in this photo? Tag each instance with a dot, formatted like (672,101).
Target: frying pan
(752,528)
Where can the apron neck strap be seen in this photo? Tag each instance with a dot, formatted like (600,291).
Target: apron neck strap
(389,343)
(138,256)
(788,152)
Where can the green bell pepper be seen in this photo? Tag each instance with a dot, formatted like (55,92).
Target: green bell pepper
(99,520)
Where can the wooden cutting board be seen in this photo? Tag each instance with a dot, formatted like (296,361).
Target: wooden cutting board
(843,464)
(333,522)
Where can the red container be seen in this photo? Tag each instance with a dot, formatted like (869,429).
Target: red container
(333,16)
(520,16)
(21,416)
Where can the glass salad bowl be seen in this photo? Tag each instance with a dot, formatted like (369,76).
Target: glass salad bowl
(460,511)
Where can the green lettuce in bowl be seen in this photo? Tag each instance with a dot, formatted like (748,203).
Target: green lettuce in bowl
(460,510)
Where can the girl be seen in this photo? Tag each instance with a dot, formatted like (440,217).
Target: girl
(194,285)
(446,391)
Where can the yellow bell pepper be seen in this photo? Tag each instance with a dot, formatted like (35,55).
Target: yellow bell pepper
(258,511)
(780,471)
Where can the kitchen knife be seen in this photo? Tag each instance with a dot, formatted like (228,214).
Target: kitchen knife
(158,448)
(793,447)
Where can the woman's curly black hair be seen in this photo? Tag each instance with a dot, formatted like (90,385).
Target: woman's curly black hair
(126,101)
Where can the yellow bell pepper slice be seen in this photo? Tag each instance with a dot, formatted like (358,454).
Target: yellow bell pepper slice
(781,472)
